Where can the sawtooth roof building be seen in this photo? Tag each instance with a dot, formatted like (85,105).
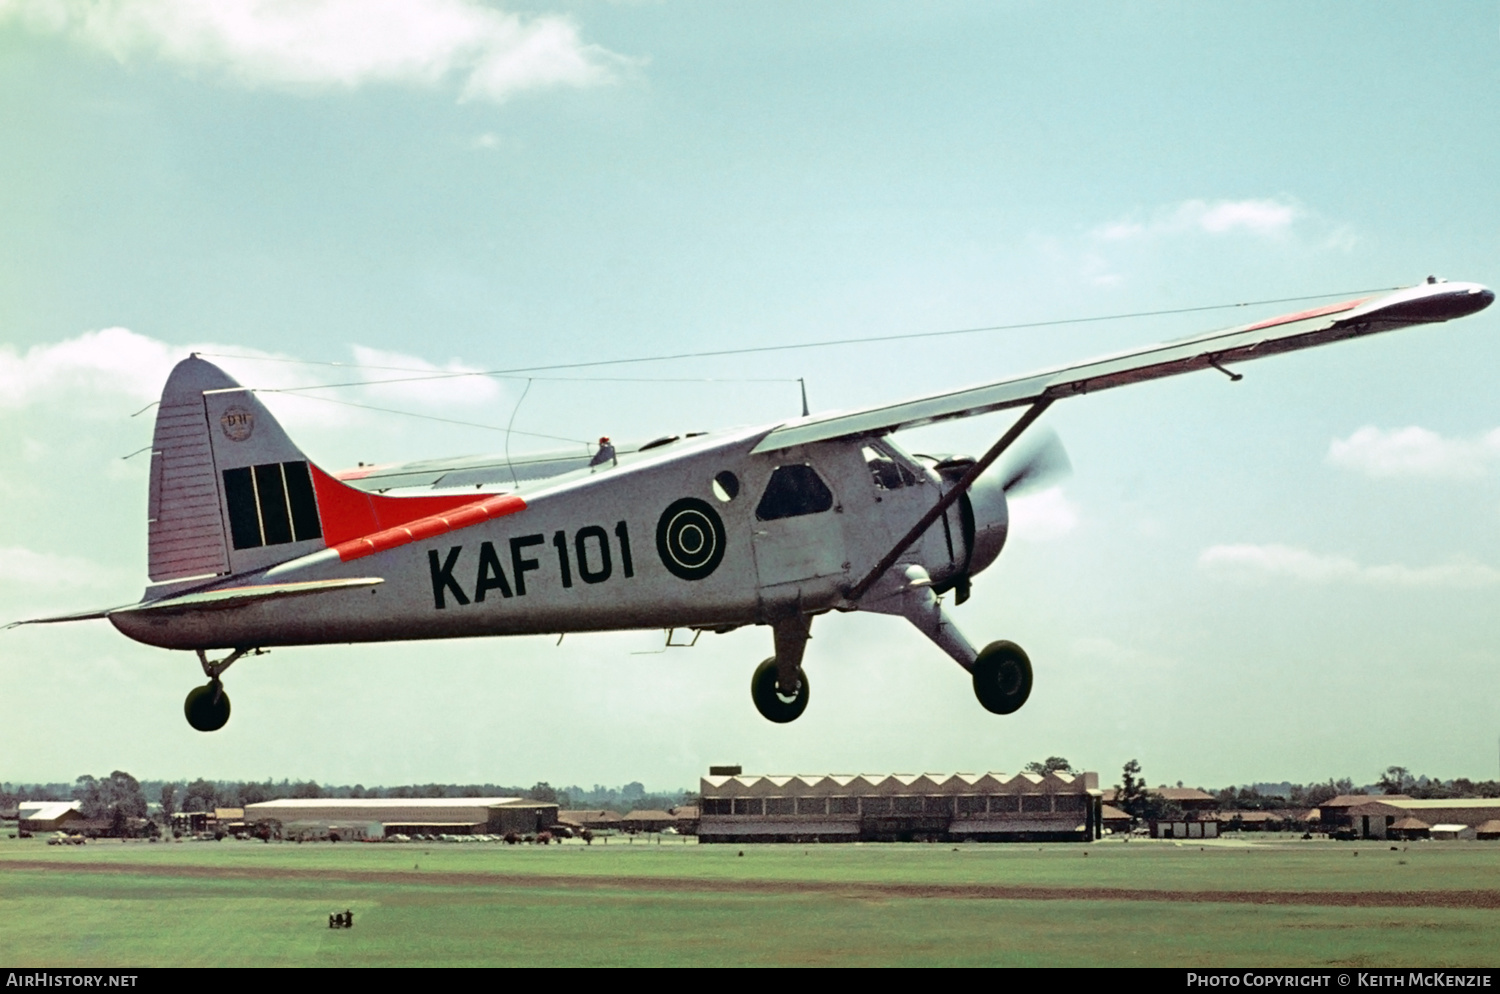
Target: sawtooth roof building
(980,807)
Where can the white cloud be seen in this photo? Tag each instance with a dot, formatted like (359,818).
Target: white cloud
(99,370)
(116,363)
(1273,561)
(109,373)
(464,390)
(491,54)
(1266,217)
(1414,452)
(25,568)
(1042,516)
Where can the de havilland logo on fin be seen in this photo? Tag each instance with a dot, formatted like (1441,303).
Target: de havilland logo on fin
(238,424)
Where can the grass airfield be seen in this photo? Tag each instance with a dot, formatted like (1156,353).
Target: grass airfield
(1280,902)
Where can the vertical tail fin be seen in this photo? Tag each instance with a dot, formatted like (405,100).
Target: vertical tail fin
(230,491)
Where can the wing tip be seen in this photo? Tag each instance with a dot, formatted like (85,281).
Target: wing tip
(1426,303)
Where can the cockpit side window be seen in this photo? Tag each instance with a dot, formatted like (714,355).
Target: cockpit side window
(887,473)
(794,490)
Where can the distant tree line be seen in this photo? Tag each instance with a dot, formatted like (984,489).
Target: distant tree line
(121,801)
(1138,800)
(1395,780)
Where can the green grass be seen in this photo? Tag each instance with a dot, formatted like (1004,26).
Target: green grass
(252,904)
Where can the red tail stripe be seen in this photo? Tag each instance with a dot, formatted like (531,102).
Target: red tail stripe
(356,524)
(347,513)
(430,527)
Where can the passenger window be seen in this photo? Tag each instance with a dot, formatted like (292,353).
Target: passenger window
(794,491)
(887,473)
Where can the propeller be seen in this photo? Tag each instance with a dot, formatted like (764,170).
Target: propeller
(1039,461)
(1036,461)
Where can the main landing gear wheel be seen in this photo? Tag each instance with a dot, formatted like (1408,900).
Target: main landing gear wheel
(207,707)
(1002,677)
(769,700)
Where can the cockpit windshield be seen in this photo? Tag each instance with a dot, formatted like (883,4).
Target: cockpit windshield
(887,472)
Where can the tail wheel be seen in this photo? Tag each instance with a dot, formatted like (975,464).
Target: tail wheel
(207,707)
(769,700)
(1002,677)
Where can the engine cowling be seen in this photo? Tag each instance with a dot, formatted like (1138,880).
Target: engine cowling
(991,512)
(984,522)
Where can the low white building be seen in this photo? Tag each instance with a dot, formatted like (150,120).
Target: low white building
(360,817)
(48,816)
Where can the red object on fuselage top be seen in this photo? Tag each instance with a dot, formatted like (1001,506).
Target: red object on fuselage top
(356,524)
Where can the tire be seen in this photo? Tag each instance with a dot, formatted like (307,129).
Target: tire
(768,700)
(202,711)
(1002,677)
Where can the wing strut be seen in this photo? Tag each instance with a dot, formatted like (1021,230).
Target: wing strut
(946,501)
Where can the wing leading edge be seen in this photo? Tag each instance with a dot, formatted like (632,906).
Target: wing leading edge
(1424,304)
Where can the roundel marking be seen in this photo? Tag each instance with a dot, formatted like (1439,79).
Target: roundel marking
(690,539)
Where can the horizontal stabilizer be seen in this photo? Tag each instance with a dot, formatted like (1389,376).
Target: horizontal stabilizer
(208,600)
(78,616)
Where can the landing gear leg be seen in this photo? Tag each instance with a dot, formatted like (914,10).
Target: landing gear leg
(1002,672)
(779,687)
(207,707)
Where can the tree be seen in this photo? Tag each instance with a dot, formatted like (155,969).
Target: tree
(117,799)
(310,789)
(86,793)
(1395,780)
(1052,764)
(543,792)
(1315,794)
(1131,795)
(123,793)
(168,800)
(201,796)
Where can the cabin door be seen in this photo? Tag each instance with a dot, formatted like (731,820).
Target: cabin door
(797,532)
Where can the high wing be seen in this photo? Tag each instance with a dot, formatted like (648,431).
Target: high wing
(1423,304)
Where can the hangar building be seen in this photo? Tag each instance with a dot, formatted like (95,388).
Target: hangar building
(49,816)
(1380,816)
(982,807)
(365,816)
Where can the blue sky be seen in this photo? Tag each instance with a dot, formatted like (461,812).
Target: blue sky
(1293,576)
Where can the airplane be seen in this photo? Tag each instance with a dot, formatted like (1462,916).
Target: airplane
(251,545)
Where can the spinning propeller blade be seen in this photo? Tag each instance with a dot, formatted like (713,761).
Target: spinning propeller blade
(1038,464)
